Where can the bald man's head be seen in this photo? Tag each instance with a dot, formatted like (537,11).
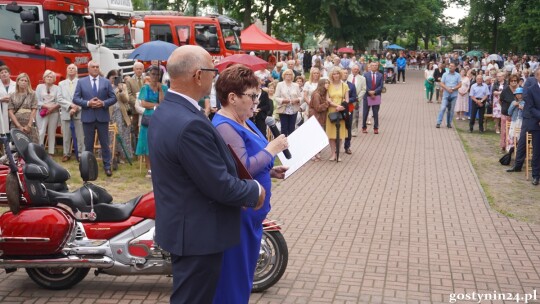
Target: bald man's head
(186,59)
(188,68)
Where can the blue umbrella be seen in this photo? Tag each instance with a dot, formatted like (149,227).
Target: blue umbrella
(153,50)
(394,47)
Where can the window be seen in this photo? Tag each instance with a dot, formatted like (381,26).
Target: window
(11,23)
(183,35)
(161,32)
(66,31)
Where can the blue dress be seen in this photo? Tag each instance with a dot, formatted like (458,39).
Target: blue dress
(147,95)
(239,262)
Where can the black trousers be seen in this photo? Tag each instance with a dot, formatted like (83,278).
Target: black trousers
(288,123)
(401,72)
(521,148)
(481,111)
(195,278)
(348,124)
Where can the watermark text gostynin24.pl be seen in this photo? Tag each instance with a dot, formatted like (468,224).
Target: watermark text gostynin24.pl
(478,297)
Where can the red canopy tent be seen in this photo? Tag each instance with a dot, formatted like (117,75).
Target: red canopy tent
(253,39)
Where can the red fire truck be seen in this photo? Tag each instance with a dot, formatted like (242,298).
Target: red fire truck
(218,34)
(36,35)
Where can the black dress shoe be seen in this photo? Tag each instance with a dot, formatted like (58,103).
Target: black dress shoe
(108,172)
(514,169)
(536,181)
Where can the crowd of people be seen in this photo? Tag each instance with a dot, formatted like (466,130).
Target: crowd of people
(471,88)
(82,106)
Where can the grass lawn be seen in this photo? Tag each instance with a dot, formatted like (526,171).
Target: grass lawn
(508,193)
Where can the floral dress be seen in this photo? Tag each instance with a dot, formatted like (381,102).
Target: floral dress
(462,101)
(496,103)
(22,105)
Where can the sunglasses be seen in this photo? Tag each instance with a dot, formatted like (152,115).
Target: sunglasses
(252,96)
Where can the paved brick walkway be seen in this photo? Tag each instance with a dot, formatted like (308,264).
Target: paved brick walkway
(402,220)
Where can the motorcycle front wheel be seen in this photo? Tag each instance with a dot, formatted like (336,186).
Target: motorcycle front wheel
(57,278)
(272,262)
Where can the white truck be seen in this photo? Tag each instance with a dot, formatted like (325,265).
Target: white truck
(109,37)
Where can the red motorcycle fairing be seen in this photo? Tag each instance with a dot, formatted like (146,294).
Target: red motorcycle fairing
(146,208)
(108,230)
(36,231)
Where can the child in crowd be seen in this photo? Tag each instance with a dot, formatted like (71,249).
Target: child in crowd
(516,111)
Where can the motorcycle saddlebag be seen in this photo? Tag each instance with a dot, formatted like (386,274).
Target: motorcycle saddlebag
(36,231)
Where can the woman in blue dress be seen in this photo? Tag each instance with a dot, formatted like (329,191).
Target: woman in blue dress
(150,95)
(237,90)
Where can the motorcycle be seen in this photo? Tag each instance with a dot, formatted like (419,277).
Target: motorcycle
(58,236)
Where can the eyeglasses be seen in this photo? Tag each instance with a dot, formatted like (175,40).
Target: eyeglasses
(253,96)
(513,81)
(216,71)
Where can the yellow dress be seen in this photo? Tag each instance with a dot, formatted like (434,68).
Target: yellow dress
(337,95)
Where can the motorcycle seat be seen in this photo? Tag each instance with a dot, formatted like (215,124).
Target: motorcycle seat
(117,212)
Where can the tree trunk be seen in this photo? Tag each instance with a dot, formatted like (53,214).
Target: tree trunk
(495,33)
(336,24)
(426,42)
(247,13)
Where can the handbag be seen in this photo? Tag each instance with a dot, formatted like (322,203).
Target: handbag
(335,117)
(43,112)
(145,120)
(505,160)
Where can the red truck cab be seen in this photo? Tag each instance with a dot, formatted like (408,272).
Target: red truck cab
(219,35)
(37,35)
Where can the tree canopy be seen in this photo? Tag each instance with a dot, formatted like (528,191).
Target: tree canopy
(492,24)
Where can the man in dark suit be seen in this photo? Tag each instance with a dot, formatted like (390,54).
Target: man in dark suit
(531,122)
(95,94)
(198,194)
(521,144)
(374,83)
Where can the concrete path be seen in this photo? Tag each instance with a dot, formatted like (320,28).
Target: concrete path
(401,220)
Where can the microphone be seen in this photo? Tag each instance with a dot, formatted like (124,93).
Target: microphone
(271,123)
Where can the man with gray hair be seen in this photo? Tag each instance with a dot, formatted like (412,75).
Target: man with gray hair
(197,191)
(70,112)
(95,94)
(134,85)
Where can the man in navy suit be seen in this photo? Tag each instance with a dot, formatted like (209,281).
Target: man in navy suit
(374,83)
(94,94)
(521,144)
(531,122)
(197,190)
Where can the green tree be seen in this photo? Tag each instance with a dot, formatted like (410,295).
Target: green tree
(523,27)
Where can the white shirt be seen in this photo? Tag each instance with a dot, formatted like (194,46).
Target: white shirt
(191,100)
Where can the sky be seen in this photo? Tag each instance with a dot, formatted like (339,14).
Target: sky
(455,13)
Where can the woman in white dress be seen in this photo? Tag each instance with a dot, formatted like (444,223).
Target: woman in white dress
(462,101)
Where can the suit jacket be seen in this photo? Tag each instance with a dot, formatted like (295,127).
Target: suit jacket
(197,191)
(133,88)
(379,83)
(4,105)
(531,110)
(65,99)
(83,93)
(359,84)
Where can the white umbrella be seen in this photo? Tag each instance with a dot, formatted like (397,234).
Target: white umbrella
(494,57)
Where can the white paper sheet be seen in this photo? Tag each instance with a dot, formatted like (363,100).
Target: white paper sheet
(304,143)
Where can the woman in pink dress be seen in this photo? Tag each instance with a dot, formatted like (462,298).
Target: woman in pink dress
(462,101)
